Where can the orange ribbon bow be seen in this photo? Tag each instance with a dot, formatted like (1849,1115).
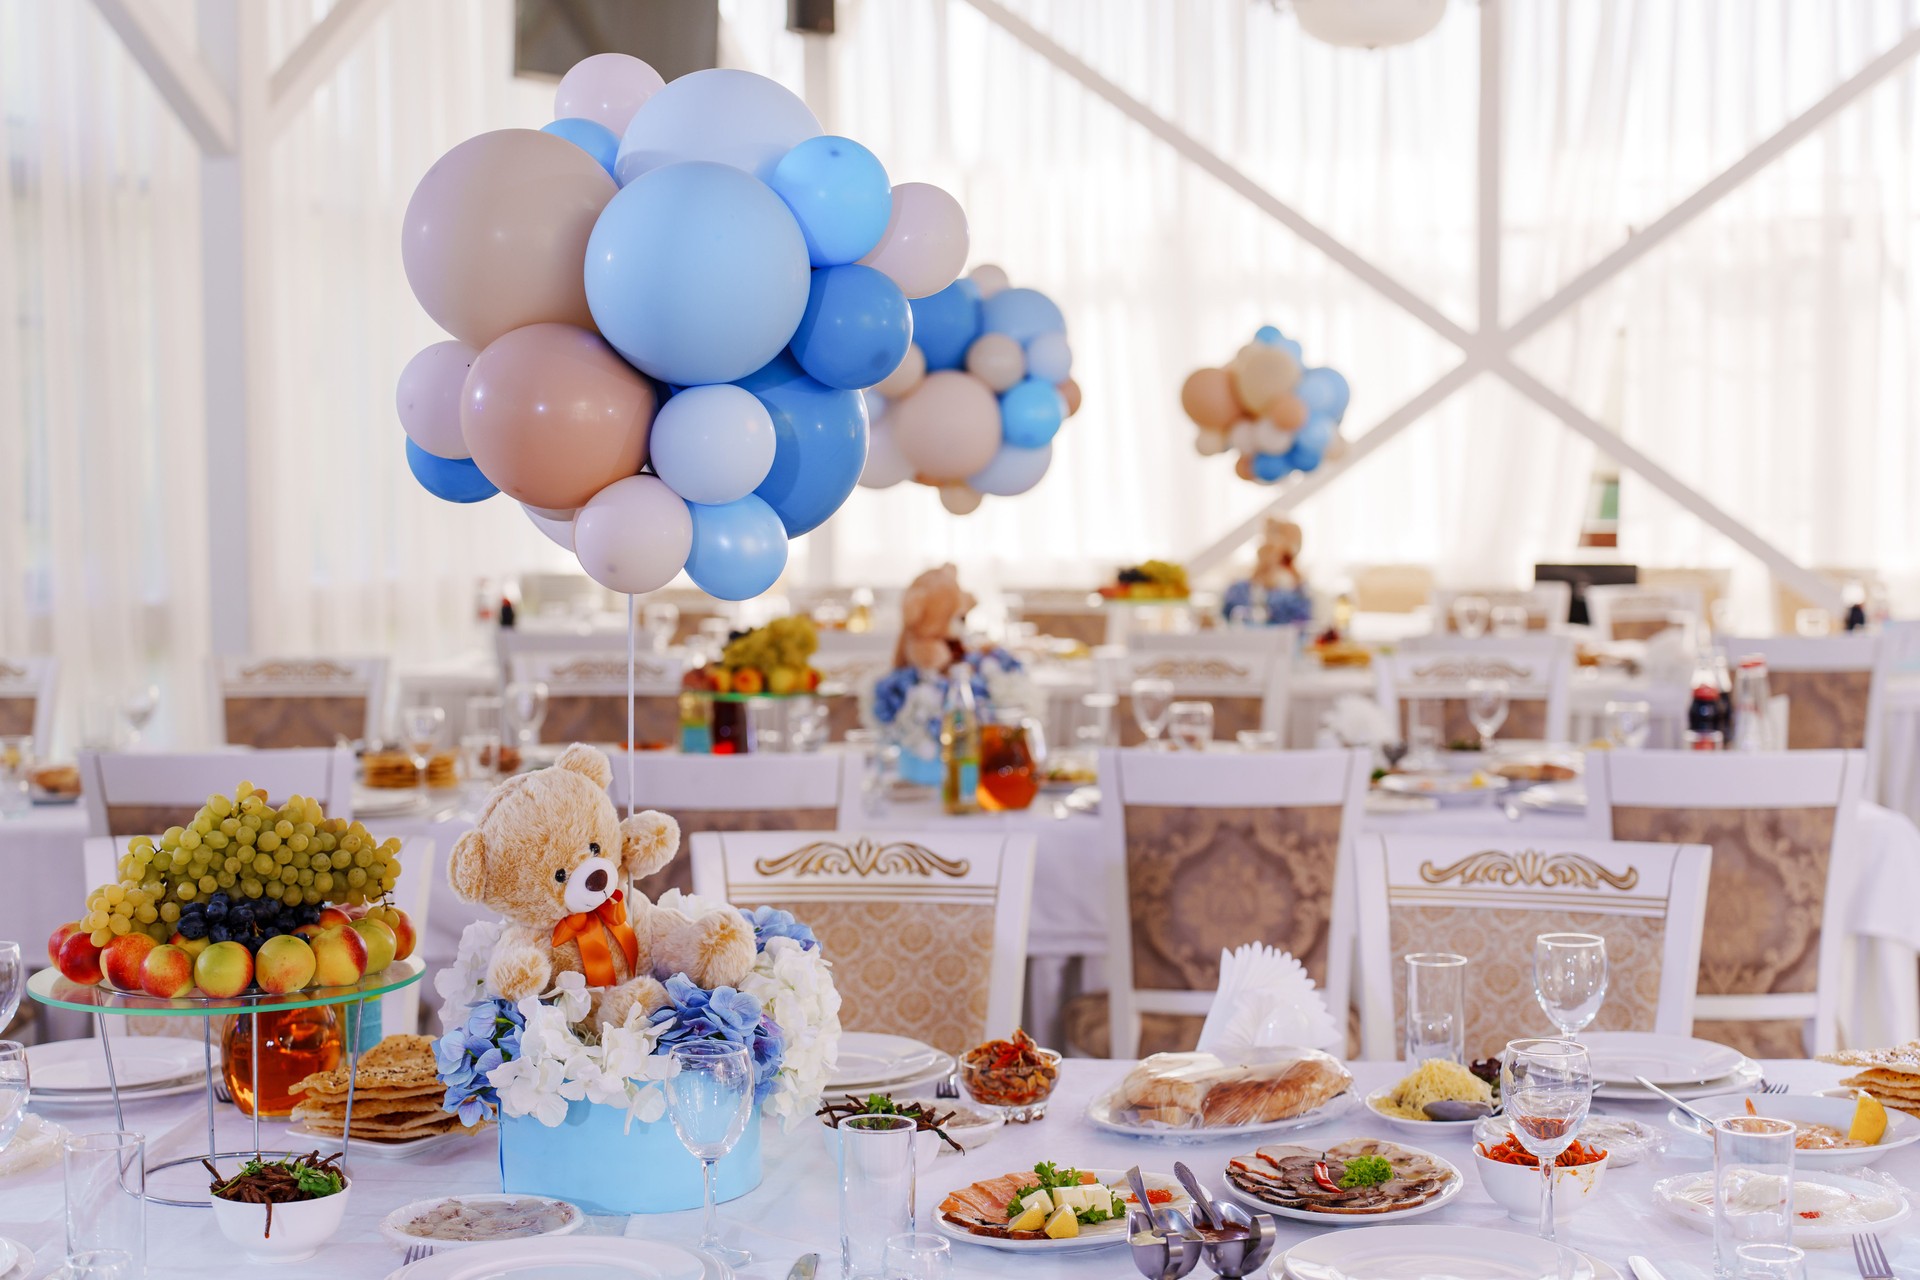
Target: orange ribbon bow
(596,957)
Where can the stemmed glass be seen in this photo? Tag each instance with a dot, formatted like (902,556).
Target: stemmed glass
(526,711)
(420,727)
(1152,704)
(16,1086)
(13,982)
(1470,616)
(1509,620)
(661,620)
(1570,978)
(1487,708)
(710,1100)
(1190,725)
(138,707)
(1628,723)
(1546,1087)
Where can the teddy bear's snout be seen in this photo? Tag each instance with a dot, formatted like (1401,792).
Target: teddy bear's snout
(590,884)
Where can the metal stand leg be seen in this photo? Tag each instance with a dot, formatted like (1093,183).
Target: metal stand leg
(358,1027)
(113,1083)
(206,1043)
(253,1022)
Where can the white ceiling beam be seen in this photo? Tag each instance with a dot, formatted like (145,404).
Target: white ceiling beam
(1197,153)
(316,59)
(1489,163)
(176,71)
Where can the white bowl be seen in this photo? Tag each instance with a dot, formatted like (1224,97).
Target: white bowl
(1801,1108)
(1517,1188)
(299,1228)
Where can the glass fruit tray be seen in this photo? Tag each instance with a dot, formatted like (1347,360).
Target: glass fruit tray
(49,988)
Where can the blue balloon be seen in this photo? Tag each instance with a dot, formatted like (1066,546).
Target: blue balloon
(1269,467)
(451,479)
(1316,433)
(712,444)
(856,328)
(1292,348)
(1323,391)
(1013,470)
(696,273)
(730,117)
(1031,412)
(839,194)
(1268,334)
(1049,358)
(739,549)
(1302,456)
(946,323)
(590,136)
(1022,314)
(820,443)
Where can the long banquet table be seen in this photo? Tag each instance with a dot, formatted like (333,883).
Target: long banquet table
(795,1209)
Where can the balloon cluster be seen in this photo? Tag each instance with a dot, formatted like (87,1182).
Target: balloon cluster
(974,406)
(664,307)
(1277,415)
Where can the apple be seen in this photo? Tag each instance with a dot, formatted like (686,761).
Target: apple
(223,969)
(123,957)
(405,938)
(167,972)
(79,960)
(192,946)
(722,680)
(382,942)
(783,679)
(284,964)
(58,939)
(310,931)
(339,958)
(333,918)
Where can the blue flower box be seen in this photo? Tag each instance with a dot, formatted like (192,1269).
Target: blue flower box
(594,1161)
(918,770)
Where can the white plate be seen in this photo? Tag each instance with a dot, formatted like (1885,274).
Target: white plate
(1625,1141)
(1417,1253)
(1445,788)
(383,1148)
(1416,1126)
(1105,1114)
(1747,1077)
(549,1258)
(77,1067)
(1619,1056)
(20,1264)
(394,802)
(1098,1236)
(1803,1108)
(972,1125)
(1554,797)
(1454,1184)
(103,1101)
(1689,1197)
(868,1059)
(391,1224)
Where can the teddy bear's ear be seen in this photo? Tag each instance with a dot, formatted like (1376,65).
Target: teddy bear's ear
(467,868)
(648,841)
(589,762)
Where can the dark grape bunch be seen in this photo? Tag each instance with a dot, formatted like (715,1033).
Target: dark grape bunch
(248,921)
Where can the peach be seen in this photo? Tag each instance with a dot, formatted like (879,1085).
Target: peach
(284,964)
(382,942)
(334,918)
(339,958)
(405,938)
(79,960)
(310,931)
(192,946)
(123,957)
(167,972)
(223,969)
(59,939)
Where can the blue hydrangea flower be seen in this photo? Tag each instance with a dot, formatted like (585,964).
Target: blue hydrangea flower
(772,922)
(890,691)
(467,1053)
(723,1014)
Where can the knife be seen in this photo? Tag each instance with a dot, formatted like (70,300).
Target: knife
(1704,1122)
(1642,1269)
(810,1262)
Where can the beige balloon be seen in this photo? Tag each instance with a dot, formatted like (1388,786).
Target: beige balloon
(997,360)
(906,375)
(1207,396)
(1286,411)
(959,499)
(1070,392)
(988,278)
(1260,373)
(495,236)
(1210,442)
(1243,466)
(948,428)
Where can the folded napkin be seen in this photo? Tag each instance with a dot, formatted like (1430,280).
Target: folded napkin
(1266,1000)
(36,1142)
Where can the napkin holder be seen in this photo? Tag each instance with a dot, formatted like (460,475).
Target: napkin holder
(595,1160)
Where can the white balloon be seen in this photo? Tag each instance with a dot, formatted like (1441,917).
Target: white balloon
(553,513)
(988,279)
(1240,436)
(712,444)
(560,531)
(1013,470)
(886,465)
(925,244)
(1049,358)
(428,398)
(906,375)
(877,406)
(1269,438)
(634,535)
(729,117)
(960,499)
(606,88)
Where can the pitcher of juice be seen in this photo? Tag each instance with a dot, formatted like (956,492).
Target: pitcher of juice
(294,1044)
(1010,748)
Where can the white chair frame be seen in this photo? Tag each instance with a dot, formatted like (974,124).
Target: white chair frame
(1853,651)
(1538,667)
(35,678)
(1672,884)
(1222,780)
(855,659)
(1748,780)
(752,868)
(320,677)
(179,778)
(1607,605)
(1550,600)
(668,780)
(1255,662)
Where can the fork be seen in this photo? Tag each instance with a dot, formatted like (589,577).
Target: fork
(417,1252)
(1771,1086)
(948,1087)
(1871,1258)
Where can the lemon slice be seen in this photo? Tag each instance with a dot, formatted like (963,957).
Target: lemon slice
(1063,1225)
(1869,1120)
(1029,1220)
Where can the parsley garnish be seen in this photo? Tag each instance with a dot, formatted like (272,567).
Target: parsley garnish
(1366,1171)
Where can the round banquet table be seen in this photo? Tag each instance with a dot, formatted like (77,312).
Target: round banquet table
(795,1210)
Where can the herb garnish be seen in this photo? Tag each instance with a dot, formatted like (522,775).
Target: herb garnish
(1366,1171)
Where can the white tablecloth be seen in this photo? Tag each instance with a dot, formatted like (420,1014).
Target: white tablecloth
(795,1210)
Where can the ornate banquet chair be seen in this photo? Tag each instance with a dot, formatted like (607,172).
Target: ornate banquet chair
(1546,604)
(132,793)
(298,702)
(927,933)
(587,695)
(1834,687)
(1642,612)
(1063,613)
(1780,825)
(26,699)
(1488,899)
(1211,851)
(1244,673)
(1538,671)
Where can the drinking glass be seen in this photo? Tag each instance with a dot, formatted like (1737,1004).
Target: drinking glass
(1093,723)
(1152,704)
(1546,1087)
(876,1190)
(662,622)
(1190,725)
(13,982)
(710,1100)
(100,721)
(526,711)
(1812,622)
(16,1086)
(1752,1186)
(1487,708)
(917,1256)
(1470,616)
(420,728)
(1628,723)
(1769,1262)
(106,1185)
(806,725)
(16,763)
(138,708)
(1509,620)
(1570,978)
(1436,1007)
(1424,718)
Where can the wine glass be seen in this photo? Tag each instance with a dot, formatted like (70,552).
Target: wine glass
(420,728)
(1509,620)
(1487,708)
(1546,1087)
(13,983)
(1570,978)
(16,1085)
(138,708)
(526,711)
(662,621)
(1152,704)
(1470,616)
(1190,725)
(1628,723)
(710,1100)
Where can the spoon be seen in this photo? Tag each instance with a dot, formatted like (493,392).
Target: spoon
(1139,1186)
(1202,1202)
(1701,1122)
(1446,1110)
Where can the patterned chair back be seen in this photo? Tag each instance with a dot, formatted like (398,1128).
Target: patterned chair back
(142,792)
(1546,604)
(1245,674)
(1488,900)
(587,695)
(1640,613)
(282,703)
(1538,671)
(1778,824)
(1063,613)
(927,933)
(26,700)
(1832,683)
(1215,851)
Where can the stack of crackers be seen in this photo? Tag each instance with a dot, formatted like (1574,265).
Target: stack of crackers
(393,770)
(396,1096)
(1891,1075)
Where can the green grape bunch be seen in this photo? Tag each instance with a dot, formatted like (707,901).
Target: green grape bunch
(784,642)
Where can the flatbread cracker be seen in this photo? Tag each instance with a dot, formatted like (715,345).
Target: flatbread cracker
(1897,1060)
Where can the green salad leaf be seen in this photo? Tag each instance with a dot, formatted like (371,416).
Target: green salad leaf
(1366,1171)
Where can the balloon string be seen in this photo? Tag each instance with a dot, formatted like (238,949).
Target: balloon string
(632,608)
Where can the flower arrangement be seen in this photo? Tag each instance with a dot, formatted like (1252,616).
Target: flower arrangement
(1283,605)
(535,1057)
(907,702)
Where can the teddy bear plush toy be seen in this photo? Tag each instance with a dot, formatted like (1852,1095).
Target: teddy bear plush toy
(1273,566)
(552,857)
(931,609)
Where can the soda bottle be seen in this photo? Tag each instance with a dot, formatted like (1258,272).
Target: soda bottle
(1703,719)
(959,743)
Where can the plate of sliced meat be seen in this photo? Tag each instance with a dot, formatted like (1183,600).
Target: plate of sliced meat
(1361,1180)
(1052,1208)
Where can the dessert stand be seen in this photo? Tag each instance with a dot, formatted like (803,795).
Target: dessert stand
(104,1002)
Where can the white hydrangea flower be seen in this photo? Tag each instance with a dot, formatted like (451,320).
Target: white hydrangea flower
(1009,690)
(531,1086)
(795,986)
(571,996)
(463,984)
